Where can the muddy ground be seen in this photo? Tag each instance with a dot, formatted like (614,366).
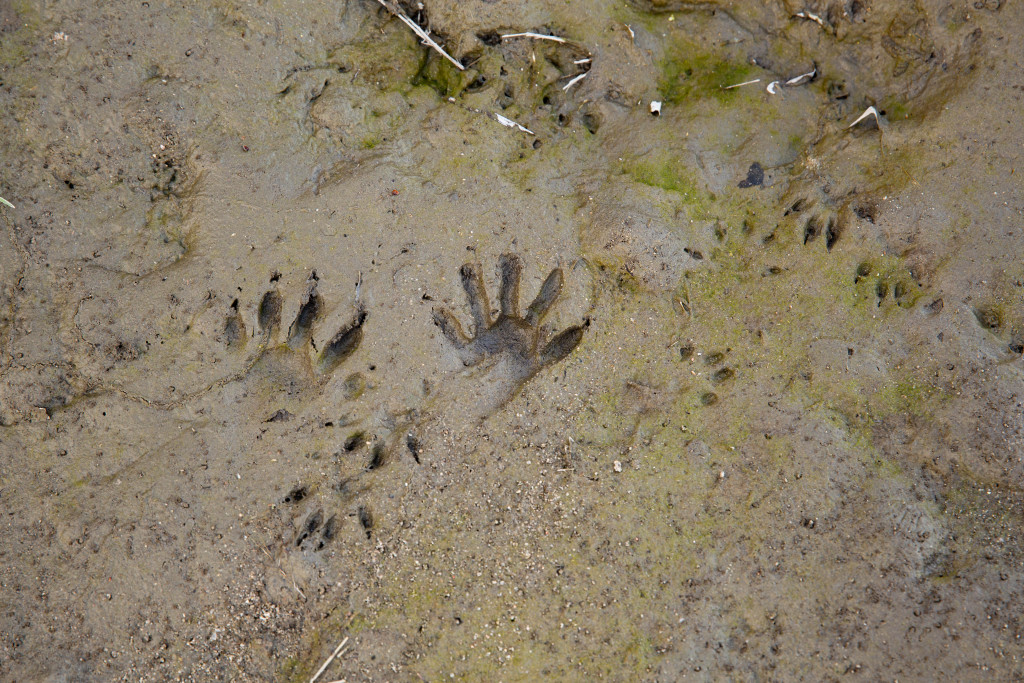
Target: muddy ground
(781,435)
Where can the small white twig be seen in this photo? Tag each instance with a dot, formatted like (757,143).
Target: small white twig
(537,36)
(394,9)
(773,88)
(6,203)
(739,85)
(576,79)
(870,111)
(512,124)
(330,659)
(581,61)
(811,16)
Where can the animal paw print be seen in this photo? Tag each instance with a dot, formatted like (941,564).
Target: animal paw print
(715,370)
(816,223)
(315,533)
(299,334)
(884,284)
(515,337)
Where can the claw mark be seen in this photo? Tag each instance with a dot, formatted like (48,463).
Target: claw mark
(343,345)
(270,311)
(309,312)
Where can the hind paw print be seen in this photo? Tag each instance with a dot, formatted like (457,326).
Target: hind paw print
(886,285)
(299,334)
(815,223)
(511,335)
(315,533)
(715,371)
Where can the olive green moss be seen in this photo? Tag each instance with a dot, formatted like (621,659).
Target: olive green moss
(689,74)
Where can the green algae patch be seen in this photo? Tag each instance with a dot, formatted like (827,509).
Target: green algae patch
(907,395)
(665,172)
(688,74)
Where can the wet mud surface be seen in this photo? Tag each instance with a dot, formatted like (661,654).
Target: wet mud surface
(763,419)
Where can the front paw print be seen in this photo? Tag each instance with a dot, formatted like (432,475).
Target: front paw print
(514,337)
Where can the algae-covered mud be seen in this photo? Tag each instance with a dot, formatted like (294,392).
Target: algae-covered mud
(271,379)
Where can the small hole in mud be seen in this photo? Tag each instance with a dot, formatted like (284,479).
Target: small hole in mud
(686,352)
(882,291)
(831,234)
(312,524)
(694,254)
(591,122)
(812,228)
(714,358)
(376,457)
(296,494)
(865,212)
(490,38)
(723,375)
(353,442)
(795,207)
(330,529)
(709,398)
(365,519)
(863,270)
(308,314)
(989,318)
(270,310)
(413,444)
(536,144)
(478,83)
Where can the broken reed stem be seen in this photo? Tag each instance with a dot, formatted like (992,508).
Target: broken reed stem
(397,12)
(330,659)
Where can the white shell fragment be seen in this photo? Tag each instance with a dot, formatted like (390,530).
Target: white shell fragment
(617,465)
(870,111)
(773,87)
(512,124)
(656,107)
(802,78)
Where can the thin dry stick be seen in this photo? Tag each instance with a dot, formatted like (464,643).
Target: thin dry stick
(575,80)
(739,85)
(330,659)
(396,11)
(537,36)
